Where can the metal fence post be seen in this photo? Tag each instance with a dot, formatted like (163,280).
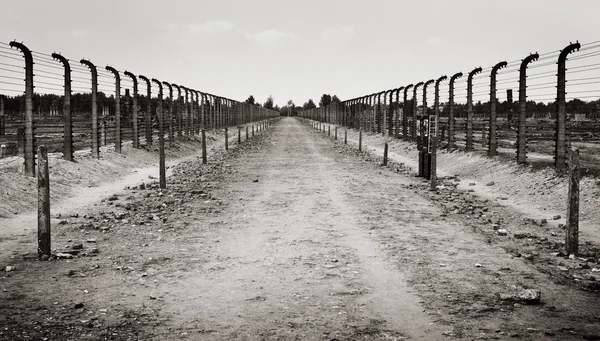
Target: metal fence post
(572,230)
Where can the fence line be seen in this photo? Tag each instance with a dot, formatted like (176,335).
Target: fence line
(56,89)
(481,115)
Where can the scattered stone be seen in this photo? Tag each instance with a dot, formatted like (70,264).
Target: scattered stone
(255,180)
(77,246)
(543,222)
(63,222)
(521,235)
(64,256)
(78,305)
(556,217)
(70,273)
(91,241)
(490,183)
(502,232)
(10,268)
(478,265)
(472,184)
(530,296)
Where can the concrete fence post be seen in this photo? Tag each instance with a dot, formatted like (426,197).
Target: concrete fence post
(405,111)
(469,142)
(148,116)
(560,146)
(451,140)
(522,132)
(413,133)
(170,116)
(493,145)
(178,108)
(161,136)
(95,120)
(135,110)
(67,115)
(118,142)
(29,152)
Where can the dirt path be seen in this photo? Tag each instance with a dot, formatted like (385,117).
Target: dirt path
(294,260)
(290,237)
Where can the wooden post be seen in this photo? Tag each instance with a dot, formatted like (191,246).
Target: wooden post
(360,140)
(226,139)
(246,132)
(345,136)
(103,133)
(483,137)
(44,248)
(239,135)
(204,161)
(329,130)
(2,123)
(385,154)
(572,231)
(433,165)
(335,137)
(253,130)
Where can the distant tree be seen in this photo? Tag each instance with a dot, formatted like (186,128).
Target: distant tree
(251,100)
(325,100)
(269,103)
(335,99)
(309,105)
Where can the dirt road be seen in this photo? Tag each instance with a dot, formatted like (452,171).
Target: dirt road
(286,237)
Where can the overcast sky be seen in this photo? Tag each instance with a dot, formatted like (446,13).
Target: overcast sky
(297,49)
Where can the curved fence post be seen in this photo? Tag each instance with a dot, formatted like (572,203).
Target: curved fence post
(469,142)
(161,136)
(453,79)
(405,112)
(186,111)
(390,122)
(178,111)
(493,145)
(95,135)
(148,117)
(413,126)
(422,140)
(30,148)
(560,147)
(135,110)
(522,131)
(67,115)
(118,142)
(170,118)
(397,119)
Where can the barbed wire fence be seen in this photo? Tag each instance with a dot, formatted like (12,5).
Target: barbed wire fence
(532,110)
(73,105)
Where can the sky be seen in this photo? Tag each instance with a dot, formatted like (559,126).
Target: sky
(297,49)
